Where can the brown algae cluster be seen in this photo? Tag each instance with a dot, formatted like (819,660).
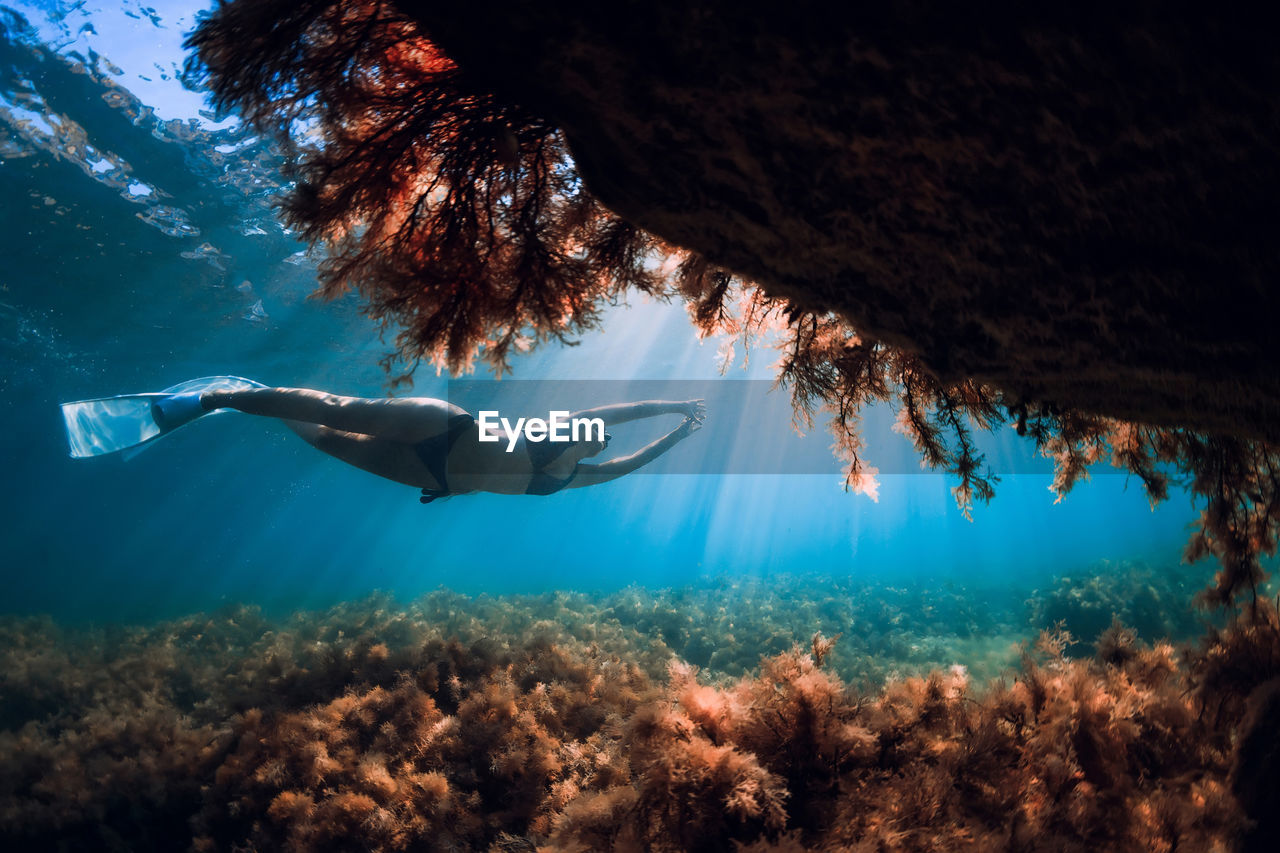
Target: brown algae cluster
(574,723)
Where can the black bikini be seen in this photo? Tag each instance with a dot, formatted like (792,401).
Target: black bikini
(434,453)
(542,454)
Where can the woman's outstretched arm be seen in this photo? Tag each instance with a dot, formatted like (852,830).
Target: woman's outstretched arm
(620,413)
(587,474)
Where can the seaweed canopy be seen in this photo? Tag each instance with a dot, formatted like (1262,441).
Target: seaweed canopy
(461,219)
(452,213)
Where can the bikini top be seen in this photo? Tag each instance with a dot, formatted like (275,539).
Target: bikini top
(542,454)
(434,453)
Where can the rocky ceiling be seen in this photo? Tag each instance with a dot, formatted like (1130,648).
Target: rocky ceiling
(1073,202)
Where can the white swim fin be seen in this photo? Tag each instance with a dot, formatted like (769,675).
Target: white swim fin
(109,424)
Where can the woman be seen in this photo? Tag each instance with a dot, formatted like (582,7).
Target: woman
(431,444)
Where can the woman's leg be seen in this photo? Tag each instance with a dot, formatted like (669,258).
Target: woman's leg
(394,460)
(405,419)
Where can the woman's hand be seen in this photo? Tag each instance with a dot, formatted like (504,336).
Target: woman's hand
(688,428)
(696,409)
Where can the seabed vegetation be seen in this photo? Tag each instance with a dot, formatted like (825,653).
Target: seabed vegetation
(805,714)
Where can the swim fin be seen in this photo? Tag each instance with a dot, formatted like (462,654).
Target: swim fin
(109,424)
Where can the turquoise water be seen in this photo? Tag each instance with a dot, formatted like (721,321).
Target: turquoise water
(140,250)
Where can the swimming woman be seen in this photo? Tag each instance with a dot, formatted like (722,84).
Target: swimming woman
(419,441)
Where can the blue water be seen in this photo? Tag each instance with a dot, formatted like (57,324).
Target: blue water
(106,288)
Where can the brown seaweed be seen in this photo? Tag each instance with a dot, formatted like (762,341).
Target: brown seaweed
(525,723)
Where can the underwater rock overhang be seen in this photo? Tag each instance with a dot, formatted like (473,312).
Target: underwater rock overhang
(1075,203)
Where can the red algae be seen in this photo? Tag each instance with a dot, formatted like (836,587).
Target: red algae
(391,767)
(378,728)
